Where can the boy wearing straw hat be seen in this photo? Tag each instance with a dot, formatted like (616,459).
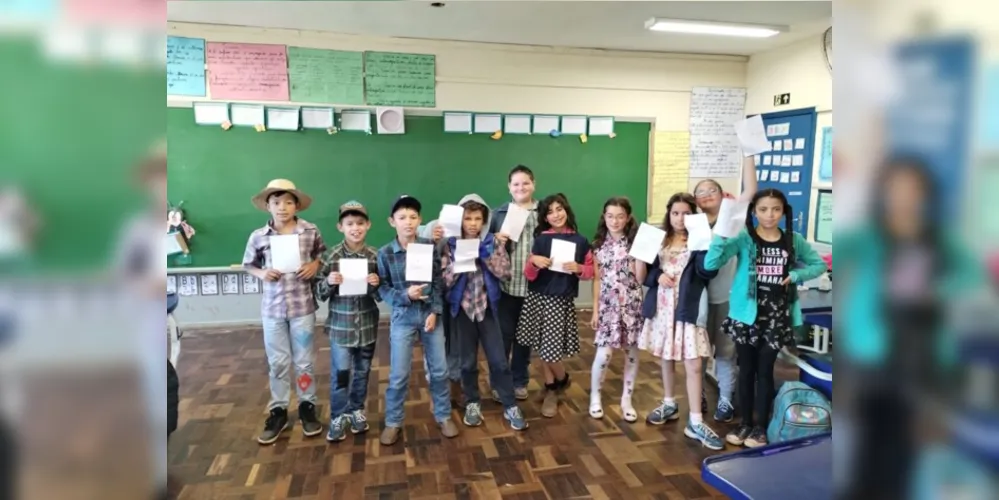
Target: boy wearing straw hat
(288,306)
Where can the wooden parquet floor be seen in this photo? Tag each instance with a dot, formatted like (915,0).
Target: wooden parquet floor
(214,454)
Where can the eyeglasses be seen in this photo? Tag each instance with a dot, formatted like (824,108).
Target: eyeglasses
(704,193)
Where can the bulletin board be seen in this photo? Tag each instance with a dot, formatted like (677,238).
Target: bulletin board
(823,229)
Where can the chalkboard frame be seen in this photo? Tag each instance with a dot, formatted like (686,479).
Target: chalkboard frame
(818,220)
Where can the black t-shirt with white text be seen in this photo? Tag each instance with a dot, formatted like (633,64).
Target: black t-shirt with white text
(771,268)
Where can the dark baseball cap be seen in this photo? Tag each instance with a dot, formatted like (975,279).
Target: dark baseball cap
(353,207)
(406,201)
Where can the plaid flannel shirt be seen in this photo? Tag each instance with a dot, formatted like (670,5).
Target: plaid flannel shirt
(392,275)
(474,300)
(352,320)
(288,297)
(517,284)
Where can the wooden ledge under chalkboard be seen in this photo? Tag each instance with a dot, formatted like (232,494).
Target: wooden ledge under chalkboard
(235,268)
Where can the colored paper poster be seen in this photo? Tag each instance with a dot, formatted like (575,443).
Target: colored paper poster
(825,164)
(397,79)
(670,170)
(824,218)
(930,120)
(989,112)
(247,71)
(326,76)
(185,62)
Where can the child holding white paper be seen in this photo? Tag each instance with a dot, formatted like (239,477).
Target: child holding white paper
(617,305)
(764,302)
(474,297)
(521,186)
(676,309)
(288,306)
(352,322)
(416,306)
(709,195)
(548,322)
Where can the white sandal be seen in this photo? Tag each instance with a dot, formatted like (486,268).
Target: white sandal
(629,414)
(596,409)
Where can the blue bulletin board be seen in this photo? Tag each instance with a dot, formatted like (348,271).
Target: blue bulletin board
(788,167)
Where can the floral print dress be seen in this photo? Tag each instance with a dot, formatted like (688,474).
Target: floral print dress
(664,336)
(619,314)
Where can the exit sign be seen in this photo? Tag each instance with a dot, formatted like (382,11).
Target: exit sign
(782,99)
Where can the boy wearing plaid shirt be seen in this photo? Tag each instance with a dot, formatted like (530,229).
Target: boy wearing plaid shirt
(288,306)
(352,323)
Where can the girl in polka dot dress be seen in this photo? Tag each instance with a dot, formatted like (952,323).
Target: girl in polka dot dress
(617,310)
(676,309)
(548,321)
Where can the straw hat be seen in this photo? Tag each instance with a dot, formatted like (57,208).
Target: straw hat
(278,185)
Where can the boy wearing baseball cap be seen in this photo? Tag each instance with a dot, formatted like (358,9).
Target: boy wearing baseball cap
(416,307)
(288,305)
(352,323)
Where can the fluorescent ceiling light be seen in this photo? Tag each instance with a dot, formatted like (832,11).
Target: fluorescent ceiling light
(713,28)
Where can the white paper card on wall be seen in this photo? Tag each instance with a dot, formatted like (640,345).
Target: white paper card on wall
(788,145)
(799,143)
(795,177)
(648,242)
(246,115)
(123,46)
(458,122)
(752,136)
(785,177)
(355,120)
(777,160)
(782,129)
(188,285)
(767,159)
(517,124)
(764,175)
(391,120)
(601,125)
(171,283)
(798,161)
(209,284)
(574,125)
(283,118)
(786,161)
(778,145)
(317,118)
(488,123)
(544,124)
(250,284)
(211,113)
(230,284)
(64,41)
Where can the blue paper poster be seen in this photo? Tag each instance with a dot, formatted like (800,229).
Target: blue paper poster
(825,164)
(185,66)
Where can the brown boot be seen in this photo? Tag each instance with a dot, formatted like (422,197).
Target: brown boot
(390,435)
(549,407)
(449,429)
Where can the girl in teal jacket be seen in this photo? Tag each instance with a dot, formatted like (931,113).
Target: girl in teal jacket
(763,306)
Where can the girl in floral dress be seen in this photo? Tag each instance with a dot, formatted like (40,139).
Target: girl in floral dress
(676,308)
(617,286)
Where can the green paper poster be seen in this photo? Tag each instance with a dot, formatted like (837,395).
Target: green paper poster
(326,76)
(396,79)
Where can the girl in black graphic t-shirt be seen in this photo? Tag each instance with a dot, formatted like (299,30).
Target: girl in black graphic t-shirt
(763,306)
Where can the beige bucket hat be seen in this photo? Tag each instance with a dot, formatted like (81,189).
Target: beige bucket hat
(277,185)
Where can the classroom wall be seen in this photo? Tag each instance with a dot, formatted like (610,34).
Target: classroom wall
(638,86)
(800,69)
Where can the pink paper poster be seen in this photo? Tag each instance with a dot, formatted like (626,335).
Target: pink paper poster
(247,71)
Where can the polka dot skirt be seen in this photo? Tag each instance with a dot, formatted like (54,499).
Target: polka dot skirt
(548,326)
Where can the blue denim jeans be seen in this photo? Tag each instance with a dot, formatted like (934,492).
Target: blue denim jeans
(726,368)
(486,333)
(289,341)
(406,325)
(350,367)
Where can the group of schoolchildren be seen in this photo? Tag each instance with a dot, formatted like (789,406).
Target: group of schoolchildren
(736,301)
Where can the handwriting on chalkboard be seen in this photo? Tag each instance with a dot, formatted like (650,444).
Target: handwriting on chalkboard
(396,79)
(185,62)
(327,76)
(247,71)
(714,146)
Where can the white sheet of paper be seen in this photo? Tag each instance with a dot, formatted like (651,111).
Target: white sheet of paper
(286,256)
(798,161)
(648,242)
(786,161)
(171,244)
(795,177)
(767,160)
(788,145)
(778,145)
(562,252)
(785,177)
(516,219)
(355,276)
(731,218)
(698,231)
(465,253)
(419,262)
(450,219)
(799,143)
(752,136)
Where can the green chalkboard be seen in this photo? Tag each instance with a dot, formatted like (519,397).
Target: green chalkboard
(215,173)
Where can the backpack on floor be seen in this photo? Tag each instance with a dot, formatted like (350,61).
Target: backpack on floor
(799,411)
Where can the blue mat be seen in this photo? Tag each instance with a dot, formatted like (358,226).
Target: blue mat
(793,469)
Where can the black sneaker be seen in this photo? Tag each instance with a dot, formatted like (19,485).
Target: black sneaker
(738,437)
(276,423)
(757,438)
(310,424)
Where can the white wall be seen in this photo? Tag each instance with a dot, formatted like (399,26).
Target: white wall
(800,69)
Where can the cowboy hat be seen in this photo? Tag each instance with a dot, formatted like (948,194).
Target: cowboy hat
(279,185)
